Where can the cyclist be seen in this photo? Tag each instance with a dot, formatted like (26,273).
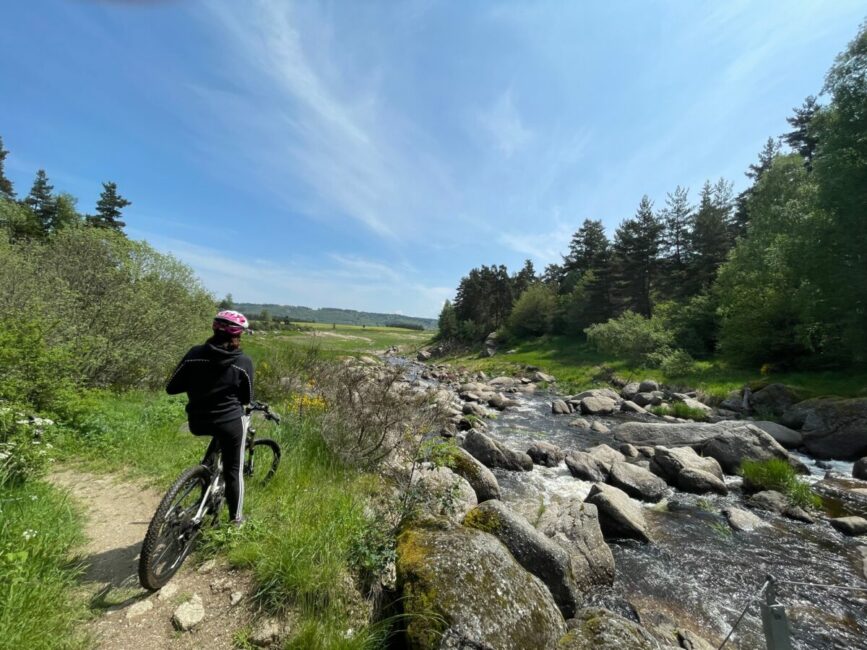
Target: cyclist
(218,380)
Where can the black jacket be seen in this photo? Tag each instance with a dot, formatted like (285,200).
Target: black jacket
(217,382)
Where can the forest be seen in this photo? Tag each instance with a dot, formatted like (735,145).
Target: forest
(774,276)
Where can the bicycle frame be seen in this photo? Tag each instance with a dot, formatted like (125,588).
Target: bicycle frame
(217,475)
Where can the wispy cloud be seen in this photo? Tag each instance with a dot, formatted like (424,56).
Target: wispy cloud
(349,282)
(504,125)
(542,247)
(359,157)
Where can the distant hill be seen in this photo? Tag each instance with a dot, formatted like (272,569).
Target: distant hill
(334,315)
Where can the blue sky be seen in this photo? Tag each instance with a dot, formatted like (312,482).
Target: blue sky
(366,155)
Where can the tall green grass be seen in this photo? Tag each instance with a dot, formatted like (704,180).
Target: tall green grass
(38,532)
(680,410)
(777,474)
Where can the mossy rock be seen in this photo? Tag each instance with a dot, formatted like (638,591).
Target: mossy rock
(596,628)
(465,583)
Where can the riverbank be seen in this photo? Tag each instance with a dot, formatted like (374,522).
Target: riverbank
(577,366)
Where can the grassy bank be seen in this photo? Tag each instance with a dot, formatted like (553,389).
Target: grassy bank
(577,366)
(39,529)
(306,525)
(342,339)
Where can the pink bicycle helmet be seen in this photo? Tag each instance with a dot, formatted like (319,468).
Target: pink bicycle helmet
(231,322)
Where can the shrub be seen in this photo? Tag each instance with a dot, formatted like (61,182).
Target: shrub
(777,474)
(23,453)
(533,312)
(631,336)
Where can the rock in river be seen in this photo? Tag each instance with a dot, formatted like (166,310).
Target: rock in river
(835,428)
(636,481)
(537,553)
(494,454)
(586,467)
(464,583)
(544,453)
(480,478)
(850,525)
(619,517)
(600,629)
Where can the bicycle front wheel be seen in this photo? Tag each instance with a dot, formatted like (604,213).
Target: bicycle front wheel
(172,531)
(263,457)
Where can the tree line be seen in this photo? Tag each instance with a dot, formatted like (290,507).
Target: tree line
(776,274)
(43,212)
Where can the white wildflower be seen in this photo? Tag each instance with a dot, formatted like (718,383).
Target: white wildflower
(28,534)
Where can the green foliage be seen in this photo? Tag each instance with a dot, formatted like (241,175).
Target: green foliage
(18,221)
(109,208)
(7,191)
(636,249)
(85,295)
(448,322)
(630,336)
(533,312)
(38,531)
(777,474)
(680,410)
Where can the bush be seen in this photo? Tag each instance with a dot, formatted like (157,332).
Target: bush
(98,308)
(631,336)
(533,312)
(777,474)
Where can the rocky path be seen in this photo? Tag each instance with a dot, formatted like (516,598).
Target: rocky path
(127,617)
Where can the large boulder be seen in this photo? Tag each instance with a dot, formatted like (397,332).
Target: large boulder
(601,629)
(559,407)
(636,481)
(598,405)
(491,453)
(575,527)
(648,386)
(605,454)
(586,467)
(789,438)
(444,492)
(537,553)
(730,443)
(464,583)
(859,469)
(743,520)
(544,453)
(833,427)
(619,517)
(480,478)
(774,399)
(700,482)
(630,390)
(670,462)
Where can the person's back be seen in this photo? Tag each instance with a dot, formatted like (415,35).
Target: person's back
(218,380)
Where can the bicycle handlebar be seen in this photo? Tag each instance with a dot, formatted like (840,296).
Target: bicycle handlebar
(264,409)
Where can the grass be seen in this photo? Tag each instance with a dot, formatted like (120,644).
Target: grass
(777,474)
(577,366)
(339,340)
(38,531)
(306,524)
(680,410)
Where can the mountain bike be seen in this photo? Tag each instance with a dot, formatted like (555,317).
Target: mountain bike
(194,501)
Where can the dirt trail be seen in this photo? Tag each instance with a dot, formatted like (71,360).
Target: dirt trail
(126,616)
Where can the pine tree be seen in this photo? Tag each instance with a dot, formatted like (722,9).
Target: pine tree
(636,247)
(448,322)
(6,189)
(711,239)
(109,208)
(42,202)
(226,303)
(589,248)
(802,138)
(766,157)
(677,221)
(588,264)
(524,278)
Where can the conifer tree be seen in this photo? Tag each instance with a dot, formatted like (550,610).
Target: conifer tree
(109,208)
(524,278)
(636,246)
(802,138)
(766,157)
(448,322)
(588,264)
(710,236)
(42,202)
(6,189)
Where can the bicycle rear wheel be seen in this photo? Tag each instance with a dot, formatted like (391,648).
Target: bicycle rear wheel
(171,533)
(263,457)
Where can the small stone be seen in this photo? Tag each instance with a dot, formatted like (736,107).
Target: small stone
(221,584)
(141,607)
(207,566)
(266,632)
(168,591)
(599,427)
(235,597)
(189,614)
(742,520)
(580,423)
